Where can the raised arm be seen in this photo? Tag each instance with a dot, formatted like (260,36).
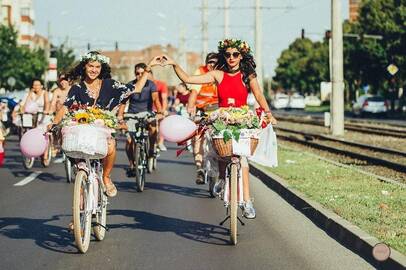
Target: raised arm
(141,82)
(210,77)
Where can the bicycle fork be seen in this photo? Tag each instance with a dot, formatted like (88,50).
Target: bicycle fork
(226,192)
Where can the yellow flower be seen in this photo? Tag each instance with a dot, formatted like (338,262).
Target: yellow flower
(82,117)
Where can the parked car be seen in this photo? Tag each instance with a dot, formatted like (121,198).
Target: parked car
(312,101)
(281,101)
(369,104)
(297,101)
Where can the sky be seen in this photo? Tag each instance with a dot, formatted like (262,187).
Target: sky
(136,24)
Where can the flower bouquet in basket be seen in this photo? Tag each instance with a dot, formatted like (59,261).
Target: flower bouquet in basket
(234,130)
(85,131)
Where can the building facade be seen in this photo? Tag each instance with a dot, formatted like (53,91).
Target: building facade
(354,9)
(122,62)
(20,15)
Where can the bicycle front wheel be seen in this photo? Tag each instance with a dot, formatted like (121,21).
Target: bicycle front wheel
(140,160)
(47,162)
(99,228)
(82,218)
(233,204)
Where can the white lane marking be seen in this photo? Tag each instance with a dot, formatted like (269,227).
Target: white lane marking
(59,160)
(28,179)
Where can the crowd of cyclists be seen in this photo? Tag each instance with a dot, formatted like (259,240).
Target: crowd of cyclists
(224,80)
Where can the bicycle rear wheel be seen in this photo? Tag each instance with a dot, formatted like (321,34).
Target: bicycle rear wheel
(140,159)
(28,162)
(99,228)
(233,204)
(81,218)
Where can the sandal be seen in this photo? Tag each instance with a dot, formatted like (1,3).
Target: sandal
(200,177)
(111,190)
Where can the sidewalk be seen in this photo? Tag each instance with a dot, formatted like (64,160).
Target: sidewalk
(349,235)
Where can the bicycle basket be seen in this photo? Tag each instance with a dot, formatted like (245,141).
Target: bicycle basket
(226,149)
(85,141)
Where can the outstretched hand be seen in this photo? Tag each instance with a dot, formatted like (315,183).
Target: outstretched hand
(155,61)
(166,60)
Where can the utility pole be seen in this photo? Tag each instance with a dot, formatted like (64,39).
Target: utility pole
(205,26)
(258,42)
(226,19)
(337,100)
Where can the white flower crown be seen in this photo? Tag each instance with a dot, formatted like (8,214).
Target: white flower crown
(95,57)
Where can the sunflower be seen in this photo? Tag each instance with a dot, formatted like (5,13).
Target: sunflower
(82,117)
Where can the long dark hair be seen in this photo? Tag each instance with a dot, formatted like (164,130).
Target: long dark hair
(79,71)
(247,65)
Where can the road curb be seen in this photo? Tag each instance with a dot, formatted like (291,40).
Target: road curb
(347,234)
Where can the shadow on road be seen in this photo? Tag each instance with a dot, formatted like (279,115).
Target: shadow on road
(180,190)
(192,230)
(175,161)
(51,237)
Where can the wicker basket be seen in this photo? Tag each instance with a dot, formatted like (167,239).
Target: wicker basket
(225,149)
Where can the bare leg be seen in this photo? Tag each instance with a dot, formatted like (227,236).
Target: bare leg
(198,152)
(153,134)
(108,161)
(129,149)
(246,183)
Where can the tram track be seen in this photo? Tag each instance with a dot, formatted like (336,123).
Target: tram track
(372,155)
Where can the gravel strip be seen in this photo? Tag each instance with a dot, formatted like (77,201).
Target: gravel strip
(375,140)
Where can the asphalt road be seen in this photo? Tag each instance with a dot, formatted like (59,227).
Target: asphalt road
(173,224)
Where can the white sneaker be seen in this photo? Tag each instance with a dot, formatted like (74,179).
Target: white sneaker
(162,147)
(249,210)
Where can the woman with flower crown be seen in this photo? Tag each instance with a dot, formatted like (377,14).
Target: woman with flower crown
(95,88)
(235,77)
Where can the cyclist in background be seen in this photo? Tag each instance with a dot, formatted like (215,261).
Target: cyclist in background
(141,102)
(203,98)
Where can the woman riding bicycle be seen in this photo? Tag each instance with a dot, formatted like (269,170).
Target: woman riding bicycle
(96,88)
(235,77)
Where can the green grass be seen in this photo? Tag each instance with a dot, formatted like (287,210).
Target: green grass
(322,108)
(376,207)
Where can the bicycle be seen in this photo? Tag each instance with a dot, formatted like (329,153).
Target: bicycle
(138,130)
(29,121)
(89,198)
(233,192)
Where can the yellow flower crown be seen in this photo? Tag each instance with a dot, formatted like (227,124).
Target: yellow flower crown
(239,44)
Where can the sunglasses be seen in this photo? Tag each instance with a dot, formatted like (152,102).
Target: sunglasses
(138,73)
(234,54)
(212,62)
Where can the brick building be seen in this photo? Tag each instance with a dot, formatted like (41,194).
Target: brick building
(122,62)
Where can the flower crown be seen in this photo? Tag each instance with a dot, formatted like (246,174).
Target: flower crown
(239,44)
(95,57)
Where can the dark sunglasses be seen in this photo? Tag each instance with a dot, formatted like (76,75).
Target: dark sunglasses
(212,62)
(234,54)
(138,73)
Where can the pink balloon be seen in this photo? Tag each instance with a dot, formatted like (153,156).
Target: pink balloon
(31,107)
(33,143)
(176,128)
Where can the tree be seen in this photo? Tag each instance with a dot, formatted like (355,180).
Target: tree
(65,57)
(302,66)
(18,61)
